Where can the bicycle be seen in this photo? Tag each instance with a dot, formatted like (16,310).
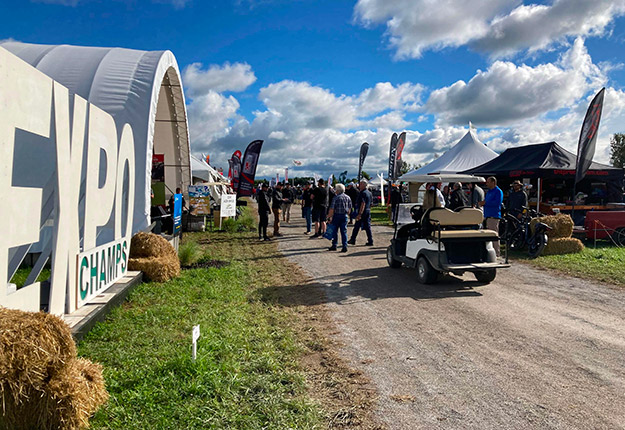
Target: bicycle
(518,233)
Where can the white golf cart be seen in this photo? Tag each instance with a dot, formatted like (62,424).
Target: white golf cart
(440,241)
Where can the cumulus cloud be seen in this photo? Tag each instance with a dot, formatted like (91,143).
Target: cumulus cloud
(507,93)
(499,27)
(306,122)
(235,77)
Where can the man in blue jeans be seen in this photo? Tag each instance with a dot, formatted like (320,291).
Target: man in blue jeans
(363,217)
(307,204)
(492,208)
(339,211)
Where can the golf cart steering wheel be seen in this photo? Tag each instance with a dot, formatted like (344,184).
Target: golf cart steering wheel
(416,212)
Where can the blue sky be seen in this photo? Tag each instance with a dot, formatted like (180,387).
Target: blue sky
(315,79)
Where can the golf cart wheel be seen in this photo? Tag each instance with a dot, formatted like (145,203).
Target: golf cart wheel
(425,272)
(536,248)
(619,236)
(395,264)
(486,276)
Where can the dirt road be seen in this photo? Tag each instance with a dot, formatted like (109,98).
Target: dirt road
(531,350)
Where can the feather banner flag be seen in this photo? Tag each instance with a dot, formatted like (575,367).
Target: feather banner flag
(364,148)
(588,136)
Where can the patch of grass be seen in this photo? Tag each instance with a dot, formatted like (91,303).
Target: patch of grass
(604,263)
(22,273)
(379,216)
(245,221)
(189,253)
(246,374)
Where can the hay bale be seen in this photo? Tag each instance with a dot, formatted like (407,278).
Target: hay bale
(561,224)
(43,384)
(159,269)
(145,245)
(33,347)
(563,245)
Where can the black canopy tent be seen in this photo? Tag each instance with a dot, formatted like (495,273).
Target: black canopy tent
(550,162)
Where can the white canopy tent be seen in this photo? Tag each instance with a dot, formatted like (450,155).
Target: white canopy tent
(468,153)
(139,88)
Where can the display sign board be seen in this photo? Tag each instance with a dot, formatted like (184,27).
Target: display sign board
(99,268)
(228,205)
(177,214)
(199,199)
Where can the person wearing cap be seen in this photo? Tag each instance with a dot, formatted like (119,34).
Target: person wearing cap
(517,200)
(263,211)
(363,218)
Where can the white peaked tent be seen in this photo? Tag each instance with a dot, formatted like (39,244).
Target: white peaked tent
(140,88)
(468,153)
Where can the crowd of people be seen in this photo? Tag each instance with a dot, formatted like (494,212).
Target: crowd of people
(321,206)
(334,208)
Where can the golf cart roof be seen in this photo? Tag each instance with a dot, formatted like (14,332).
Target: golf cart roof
(442,177)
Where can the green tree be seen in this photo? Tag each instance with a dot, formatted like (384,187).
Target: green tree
(406,167)
(365,175)
(617,150)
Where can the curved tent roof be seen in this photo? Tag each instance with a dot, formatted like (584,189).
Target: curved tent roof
(542,160)
(141,88)
(469,152)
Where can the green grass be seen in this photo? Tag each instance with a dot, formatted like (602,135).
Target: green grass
(22,273)
(606,263)
(189,253)
(379,216)
(246,375)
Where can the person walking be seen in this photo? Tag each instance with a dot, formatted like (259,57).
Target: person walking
(352,193)
(307,204)
(458,198)
(492,208)
(517,200)
(395,201)
(289,197)
(320,202)
(476,196)
(276,205)
(339,209)
(363,218)
(263,211)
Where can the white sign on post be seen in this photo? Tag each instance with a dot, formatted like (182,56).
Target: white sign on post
(196,336)
(228,205)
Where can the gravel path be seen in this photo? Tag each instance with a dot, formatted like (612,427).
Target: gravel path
(531,350)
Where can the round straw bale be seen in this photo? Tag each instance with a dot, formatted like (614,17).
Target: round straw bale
(563,245)
(159,269)
(561,224)
(33,346)
(145,245)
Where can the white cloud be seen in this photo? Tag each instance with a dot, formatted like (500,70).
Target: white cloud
(500,27)
(506,93)
(235,77)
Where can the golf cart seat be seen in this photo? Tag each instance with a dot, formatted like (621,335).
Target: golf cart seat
(463,224)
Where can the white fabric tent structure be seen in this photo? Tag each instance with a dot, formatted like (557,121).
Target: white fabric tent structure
(468,153)
(139,88)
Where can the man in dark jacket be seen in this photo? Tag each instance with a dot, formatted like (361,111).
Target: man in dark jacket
(363,217)
(307,204)
(352,192)
(276,205)
(517,199)
(457,198)
(263,211)
(320,204)
(395,201)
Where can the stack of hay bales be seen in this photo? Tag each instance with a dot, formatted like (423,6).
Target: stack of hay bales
(154,256)
(560,240)
(43,384)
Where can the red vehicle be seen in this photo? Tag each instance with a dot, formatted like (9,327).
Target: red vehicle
(600,224)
